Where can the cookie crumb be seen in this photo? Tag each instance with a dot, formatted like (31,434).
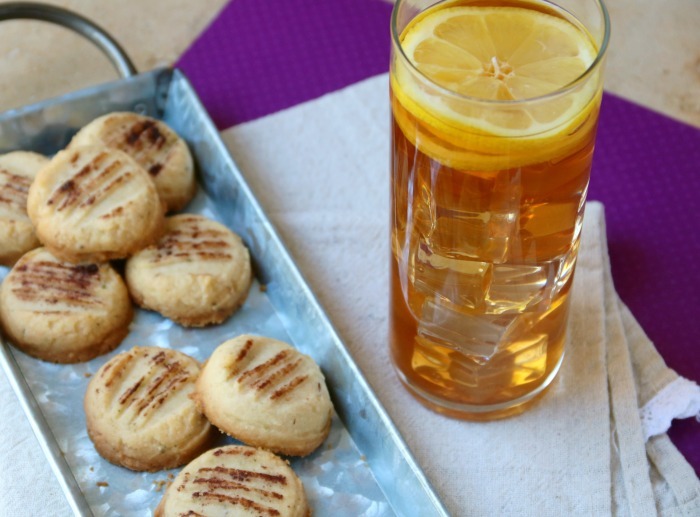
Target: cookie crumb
(102,483)
(87,375)
(159,484)
(263,288)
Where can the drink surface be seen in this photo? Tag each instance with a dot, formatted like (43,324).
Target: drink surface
(488,194)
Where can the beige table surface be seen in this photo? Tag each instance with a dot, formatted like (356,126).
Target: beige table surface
(654,59)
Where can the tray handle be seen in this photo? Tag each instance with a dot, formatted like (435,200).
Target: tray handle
(71,20)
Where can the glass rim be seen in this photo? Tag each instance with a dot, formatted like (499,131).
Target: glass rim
(395,36)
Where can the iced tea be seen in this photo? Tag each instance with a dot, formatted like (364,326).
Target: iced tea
(488,195)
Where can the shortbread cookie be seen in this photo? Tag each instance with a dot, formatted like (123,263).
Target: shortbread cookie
(17,171)
(139,412)
(235,481)
(91,204)
(61,312)
(197,274)
(155,146)
(266,393)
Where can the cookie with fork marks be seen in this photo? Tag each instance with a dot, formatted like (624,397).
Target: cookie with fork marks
(238,481)
(154,145)
(62,312)
(266,393)
(17,171)
(197,274)
(139,412)
(92,204)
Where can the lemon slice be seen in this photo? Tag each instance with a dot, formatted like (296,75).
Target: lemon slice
(493,57)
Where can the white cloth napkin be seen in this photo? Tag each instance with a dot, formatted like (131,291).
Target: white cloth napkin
(321,172)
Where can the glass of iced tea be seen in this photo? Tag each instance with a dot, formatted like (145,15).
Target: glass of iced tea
(494,114)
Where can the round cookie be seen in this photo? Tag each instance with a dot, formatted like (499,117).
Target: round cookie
(61,312)
(139,412)
(265,393)
(156,147)
(236,481)
(197,274)
(17,171)
(90,204)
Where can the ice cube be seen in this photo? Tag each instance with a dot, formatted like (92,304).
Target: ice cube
(476,335)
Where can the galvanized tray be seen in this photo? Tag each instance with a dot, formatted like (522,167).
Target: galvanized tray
(363,468)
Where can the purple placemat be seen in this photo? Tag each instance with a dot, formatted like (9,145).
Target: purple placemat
(646,171)
(260,57)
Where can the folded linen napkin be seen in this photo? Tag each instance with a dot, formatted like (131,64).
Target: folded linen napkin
(320,170)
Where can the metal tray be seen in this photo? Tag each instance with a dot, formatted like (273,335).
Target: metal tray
(363,468)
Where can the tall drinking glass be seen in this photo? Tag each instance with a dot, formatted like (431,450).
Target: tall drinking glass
(494,114)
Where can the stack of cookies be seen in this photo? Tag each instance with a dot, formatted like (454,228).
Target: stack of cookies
(152,408)
(105,198)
